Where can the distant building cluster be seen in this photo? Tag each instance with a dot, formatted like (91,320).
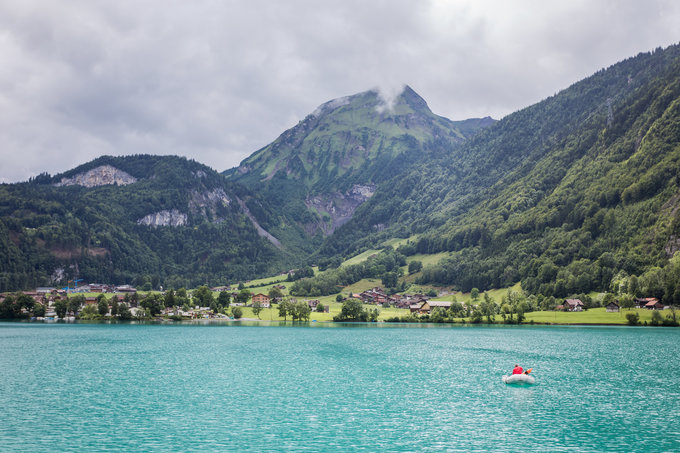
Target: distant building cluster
(416,303)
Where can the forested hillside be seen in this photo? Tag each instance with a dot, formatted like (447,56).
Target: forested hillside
(562,195)
(165,220)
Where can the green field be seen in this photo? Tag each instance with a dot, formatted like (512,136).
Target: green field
(269,281)
(396,242)
(495,294)
(592,316)
(595,316)
(360,257)
(427,259)
(272,314)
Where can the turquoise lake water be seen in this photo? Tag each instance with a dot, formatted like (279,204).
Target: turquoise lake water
(328,387)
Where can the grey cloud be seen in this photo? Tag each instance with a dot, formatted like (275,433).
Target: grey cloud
(216,80)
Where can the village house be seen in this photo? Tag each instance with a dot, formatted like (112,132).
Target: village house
(313,303)
(220,289)
(375,296)
(641,302)
(262,299)
(90,300)
(407,300)
(573,304)
(429,305)
(654,304)
(99,288)
(378,296)
(125,289)
(612,306)
(45,290)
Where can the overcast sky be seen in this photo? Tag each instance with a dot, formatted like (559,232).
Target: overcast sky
(217,80)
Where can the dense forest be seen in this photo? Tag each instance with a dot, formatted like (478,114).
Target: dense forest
(562,195)
(50,234)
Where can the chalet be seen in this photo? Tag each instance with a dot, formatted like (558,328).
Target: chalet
(125,289)
(415,307)
(407,300)
(641,302)
(99,288)
(313,303)
(90,300)
(45,290)
(262,299)
(427,306)
(376,296)
(573,304)
(654,305)
(612,306)
(220,289)
(401,302)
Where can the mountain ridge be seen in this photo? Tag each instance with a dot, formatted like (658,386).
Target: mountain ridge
(565,196)
(343,146)
(576,170)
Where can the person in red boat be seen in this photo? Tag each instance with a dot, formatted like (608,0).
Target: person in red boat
(518,370)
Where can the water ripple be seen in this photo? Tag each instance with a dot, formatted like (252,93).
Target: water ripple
(336,388)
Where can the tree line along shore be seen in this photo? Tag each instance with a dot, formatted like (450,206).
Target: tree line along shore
(271,302)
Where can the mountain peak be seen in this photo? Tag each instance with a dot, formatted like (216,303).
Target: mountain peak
(407,96)
(342,136)
(381,101)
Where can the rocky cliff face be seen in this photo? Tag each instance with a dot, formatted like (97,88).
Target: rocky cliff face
(208,200)
(208,203)
(337,208)
(164,218)
(99,176)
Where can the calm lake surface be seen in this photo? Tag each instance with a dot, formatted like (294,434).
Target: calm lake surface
(330,387)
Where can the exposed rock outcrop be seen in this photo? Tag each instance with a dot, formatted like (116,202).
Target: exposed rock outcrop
(337,208)
(208,203)
(164,218)
(99,176)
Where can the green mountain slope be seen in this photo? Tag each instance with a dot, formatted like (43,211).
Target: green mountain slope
(561,196)
(167,220)
(319,171)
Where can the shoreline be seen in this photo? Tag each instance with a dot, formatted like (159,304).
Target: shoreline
(167,321)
